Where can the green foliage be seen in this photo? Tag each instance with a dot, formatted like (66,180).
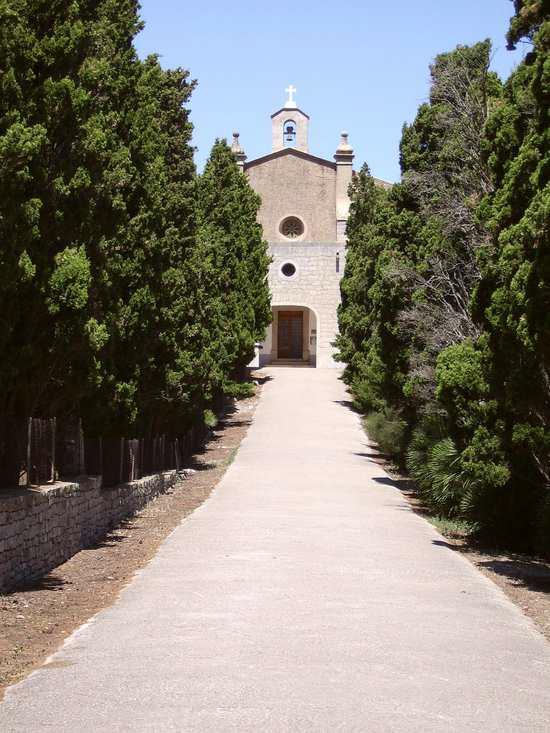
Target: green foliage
(240,390)
(452,527)
(512,300)
(446,295)
(70,281)
(370,341)
(440,478)
(231,259)
(529,14)
(461,384)
(434,463)
(387,429)
(210,419)
(131,293)
(26,266)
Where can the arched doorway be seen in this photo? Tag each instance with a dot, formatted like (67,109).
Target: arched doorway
(292,337)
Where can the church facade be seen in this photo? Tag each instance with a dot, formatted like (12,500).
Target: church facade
(304,210)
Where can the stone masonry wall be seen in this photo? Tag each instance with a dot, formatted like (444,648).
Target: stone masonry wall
(315,285)
(293,186)
(42,528)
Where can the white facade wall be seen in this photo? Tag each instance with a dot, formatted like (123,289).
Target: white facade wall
(316,286)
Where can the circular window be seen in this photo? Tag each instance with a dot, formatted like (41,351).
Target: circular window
(292,227)
(288,269)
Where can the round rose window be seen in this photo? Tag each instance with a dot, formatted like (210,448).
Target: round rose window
(292,227)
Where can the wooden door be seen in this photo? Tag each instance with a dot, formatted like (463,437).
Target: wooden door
(289,335)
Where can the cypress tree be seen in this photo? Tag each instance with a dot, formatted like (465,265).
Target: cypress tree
(417,362)
(141,288)
(513,298)
(47,207)
(412,249)
(453,264)
(96,215)
(232,261)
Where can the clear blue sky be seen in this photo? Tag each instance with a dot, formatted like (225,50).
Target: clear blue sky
(358,65)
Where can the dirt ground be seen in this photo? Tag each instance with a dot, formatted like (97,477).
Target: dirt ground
(34,620)
(525,580)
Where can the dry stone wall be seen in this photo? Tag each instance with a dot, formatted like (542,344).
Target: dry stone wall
(42,528)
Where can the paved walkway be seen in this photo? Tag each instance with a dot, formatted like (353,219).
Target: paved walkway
(303,596)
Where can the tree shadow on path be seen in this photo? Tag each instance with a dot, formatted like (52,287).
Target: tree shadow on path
(532,574)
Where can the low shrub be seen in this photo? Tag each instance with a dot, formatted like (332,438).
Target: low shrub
(387,429)
(239,390)
(436,465)
(210,419)
(459,529)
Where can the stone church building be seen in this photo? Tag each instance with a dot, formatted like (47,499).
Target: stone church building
(304,211)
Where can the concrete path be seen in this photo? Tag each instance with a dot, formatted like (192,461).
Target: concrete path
(303,596)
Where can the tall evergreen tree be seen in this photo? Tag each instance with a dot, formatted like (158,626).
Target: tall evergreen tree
(446,292)
(381,232)
(140,268)
(96,216)
(513,298)
(420,358)
(233,263)
(47,205)
(417,264)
